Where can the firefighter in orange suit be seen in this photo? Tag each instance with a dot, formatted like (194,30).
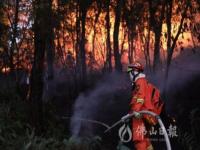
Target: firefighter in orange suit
(138,103)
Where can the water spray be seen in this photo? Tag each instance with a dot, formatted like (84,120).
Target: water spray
(89,121)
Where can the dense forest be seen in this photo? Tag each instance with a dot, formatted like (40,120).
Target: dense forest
(66,59)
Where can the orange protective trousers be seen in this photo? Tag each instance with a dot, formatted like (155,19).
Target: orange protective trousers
(140,138)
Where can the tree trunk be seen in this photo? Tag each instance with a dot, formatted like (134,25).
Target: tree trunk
(36,85)
(157,30)
(4,36)
(77,37)
(108,44)
(77,45)
(147,55)
(156,59)
(118,65)
(131,48)
(14,34)
(95,22)
(50,47)
(82,47)
(168,21)
(170,48)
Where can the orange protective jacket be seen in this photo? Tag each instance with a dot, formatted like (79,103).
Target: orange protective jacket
(141,99)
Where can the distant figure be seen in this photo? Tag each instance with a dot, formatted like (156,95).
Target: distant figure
(145,96)
(70,62)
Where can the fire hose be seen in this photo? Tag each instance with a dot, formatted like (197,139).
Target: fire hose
(126,117)
(129,116)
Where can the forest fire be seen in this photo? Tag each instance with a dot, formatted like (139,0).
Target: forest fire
(98,60)
(95,33)
(96,36)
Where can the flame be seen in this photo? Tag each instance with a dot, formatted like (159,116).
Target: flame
(5,70)
(66,35)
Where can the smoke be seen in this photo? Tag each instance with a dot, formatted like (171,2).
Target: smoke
(184,69)
(103,103)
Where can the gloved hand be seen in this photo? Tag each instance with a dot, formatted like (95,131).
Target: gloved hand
(125,118)
(137,115)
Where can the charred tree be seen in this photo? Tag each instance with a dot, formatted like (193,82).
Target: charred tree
(82,8)
(82,46)
(50,47)
(168,21)
(156,20)
(77,37)
(108,43)
(4,28)
(36,85)
(131,46)
(129,16)
(78,63)
(118,65)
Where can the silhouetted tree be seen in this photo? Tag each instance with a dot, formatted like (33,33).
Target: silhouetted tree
(37,72)
(157,12)
(108,43)
(50,47)
(171,41)
(118,8)
(82,7)
(4,28)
